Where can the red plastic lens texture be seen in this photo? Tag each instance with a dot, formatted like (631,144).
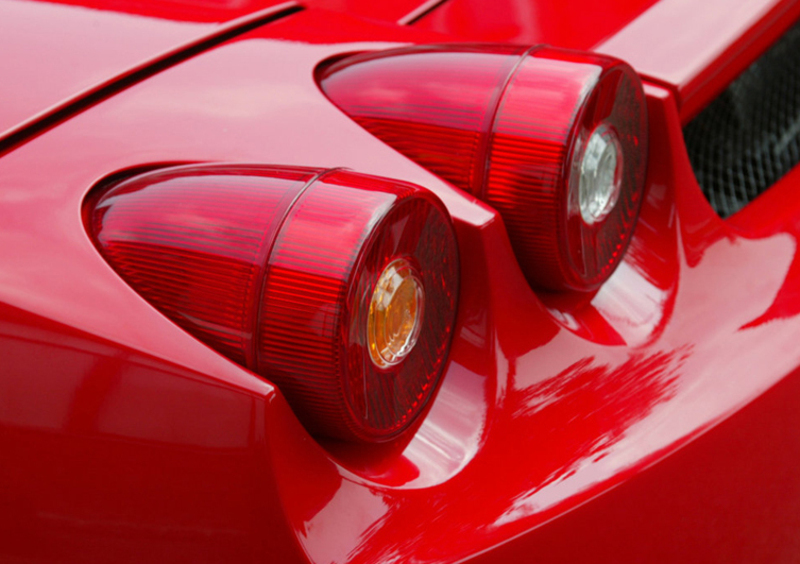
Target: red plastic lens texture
(510,127)
(551,106)
(276,268)
(432,104)
(195,245)
(317,300)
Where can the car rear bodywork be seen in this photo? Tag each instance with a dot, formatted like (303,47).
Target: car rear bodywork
(651,420)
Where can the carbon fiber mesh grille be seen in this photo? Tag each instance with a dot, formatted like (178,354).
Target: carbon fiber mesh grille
(749,137)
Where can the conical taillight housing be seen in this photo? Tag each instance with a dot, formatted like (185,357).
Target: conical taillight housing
(341,288)
(555,140)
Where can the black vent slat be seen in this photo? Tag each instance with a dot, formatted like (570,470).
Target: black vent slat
(749,137)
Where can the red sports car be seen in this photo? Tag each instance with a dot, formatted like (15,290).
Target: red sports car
(338,281)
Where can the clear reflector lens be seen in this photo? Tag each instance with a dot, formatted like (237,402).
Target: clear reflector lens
(600,176)
(395,314)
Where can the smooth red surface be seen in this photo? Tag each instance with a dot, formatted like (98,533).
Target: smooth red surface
(385,11)
(575,24)
(54,52)
(204,11)
(112,454)
(74,54)
(654,420)
(697,48)
(220,11)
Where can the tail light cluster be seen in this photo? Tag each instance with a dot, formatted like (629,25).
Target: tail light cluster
(340,288)
(556,141)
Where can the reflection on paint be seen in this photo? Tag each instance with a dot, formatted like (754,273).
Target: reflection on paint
(580,415)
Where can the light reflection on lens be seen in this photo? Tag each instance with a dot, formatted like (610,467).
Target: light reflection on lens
(600,175)
(395,314)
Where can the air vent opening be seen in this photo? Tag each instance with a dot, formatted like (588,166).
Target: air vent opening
(749,137)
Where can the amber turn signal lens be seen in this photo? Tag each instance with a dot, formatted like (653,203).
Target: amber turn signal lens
(395,314)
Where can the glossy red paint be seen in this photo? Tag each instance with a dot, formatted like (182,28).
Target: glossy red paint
(84,54)
(112,453)
(667,395)
(220,11)
(385,11)
(203,11)
(575,24)
(697,48)
(73,50)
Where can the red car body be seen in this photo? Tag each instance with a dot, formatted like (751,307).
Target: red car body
(654,420)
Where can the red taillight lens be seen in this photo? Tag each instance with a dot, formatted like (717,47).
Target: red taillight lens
(278,268)
(555,141)
(323,273)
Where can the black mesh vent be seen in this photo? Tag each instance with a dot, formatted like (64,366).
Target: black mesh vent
(749,137)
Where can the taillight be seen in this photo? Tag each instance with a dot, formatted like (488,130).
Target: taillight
(340,288)
(556,141)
